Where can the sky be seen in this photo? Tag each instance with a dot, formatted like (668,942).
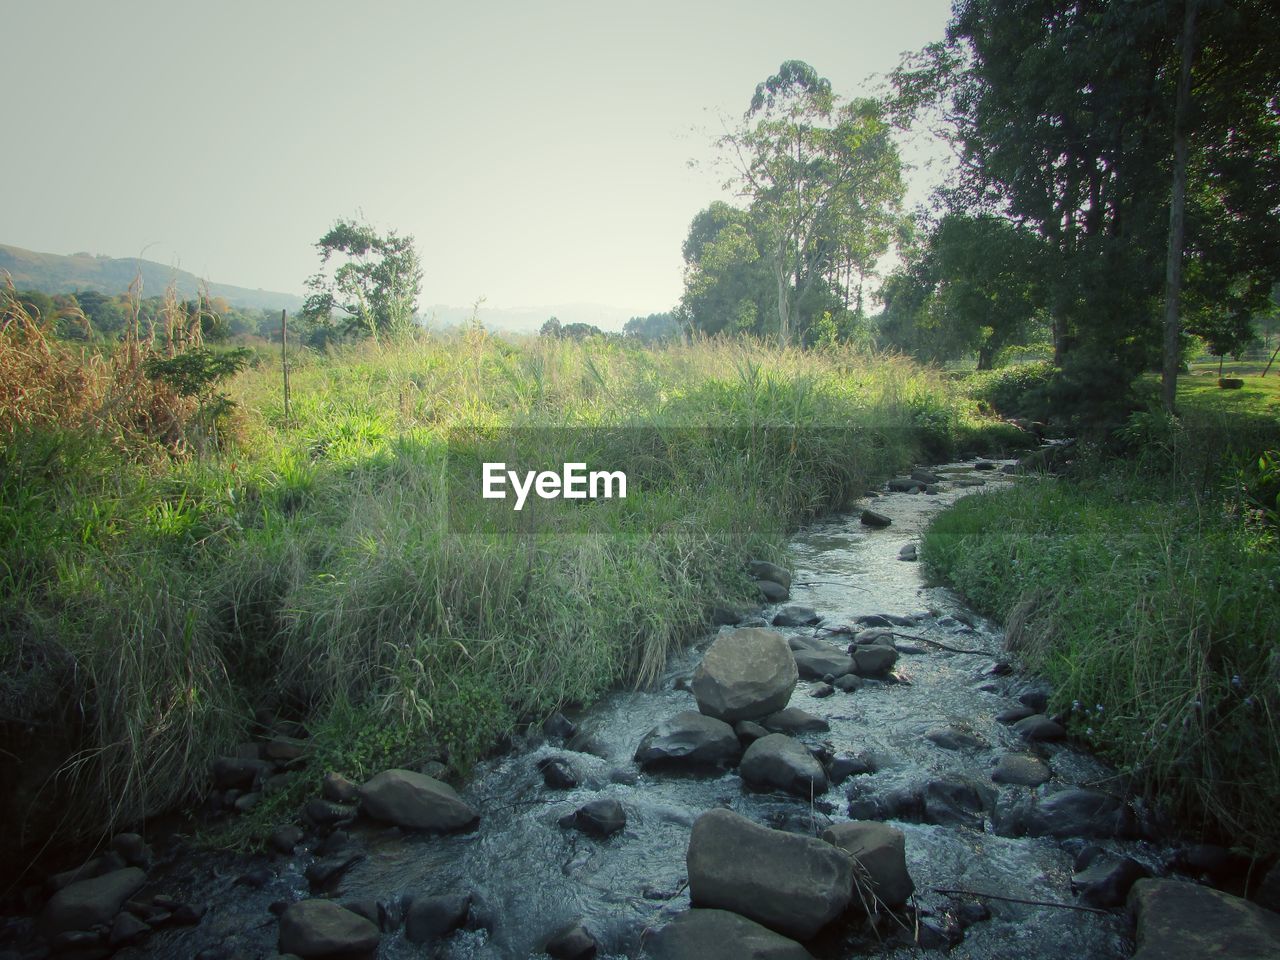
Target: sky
(539,152)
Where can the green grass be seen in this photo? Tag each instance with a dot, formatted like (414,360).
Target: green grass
(1147,590)
(150,606)
(1259,397)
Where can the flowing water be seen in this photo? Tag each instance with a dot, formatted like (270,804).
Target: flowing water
(531,877)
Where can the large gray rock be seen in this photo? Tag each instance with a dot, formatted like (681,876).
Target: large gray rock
(1021,769)
(792,884)
(794,720)
(745,674)
(1038,727)
(1106,882)
(955,799)
(764,570)
(1074,812)
(88,903)
(602,817)
(777,762)
(773,592)
(416,801)
(321,928)
(240,773)
(575,943)
(427,919)
(874,660)
(702,934)
(880,851)
(796,616)
(1184,921)
(689,739)
(956,736)
(819,664)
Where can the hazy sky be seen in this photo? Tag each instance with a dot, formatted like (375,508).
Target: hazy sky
(537,151)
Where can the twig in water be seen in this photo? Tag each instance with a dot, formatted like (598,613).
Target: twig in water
(827,583)
(978,895)
(909,636)
(935,643)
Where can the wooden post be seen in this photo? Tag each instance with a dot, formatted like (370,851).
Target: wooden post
(284,363)
(1272,360)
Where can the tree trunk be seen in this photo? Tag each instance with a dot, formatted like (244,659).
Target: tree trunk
(986,356)
(1177,207)
(784,310)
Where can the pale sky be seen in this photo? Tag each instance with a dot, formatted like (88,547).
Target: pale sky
(537,151)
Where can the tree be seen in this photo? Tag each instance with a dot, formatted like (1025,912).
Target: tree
(1063,116)
(812,169)
(975,284)
(551,329)
(727,285)
(580,331)
(375,287)
(655,328)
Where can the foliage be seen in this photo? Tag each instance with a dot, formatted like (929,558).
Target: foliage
(655,328)
(48,384)
(1061,118)
(196,374)
(322,572)
(1166,663)
(975,284)
(1011,390)
(822,181)
(1260,484)
(375,286)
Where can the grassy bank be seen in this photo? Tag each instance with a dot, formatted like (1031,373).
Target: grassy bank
(317,570)
(1147,590)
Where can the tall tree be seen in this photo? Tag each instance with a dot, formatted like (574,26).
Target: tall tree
(1064,118)
(812,169)
(974,285)
(727,285)
(374,288)
(1177,212)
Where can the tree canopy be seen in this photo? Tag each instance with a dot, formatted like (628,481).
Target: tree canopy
(822,183)
(1062,118)
(973,284)
(374,286)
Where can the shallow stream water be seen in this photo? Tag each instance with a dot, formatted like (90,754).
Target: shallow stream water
(531,877)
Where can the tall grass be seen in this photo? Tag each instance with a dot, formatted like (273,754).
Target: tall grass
(152,602)
(1153,615)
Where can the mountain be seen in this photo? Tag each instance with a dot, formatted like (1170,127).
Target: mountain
(54,273)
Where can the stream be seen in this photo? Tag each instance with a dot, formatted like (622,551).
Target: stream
(531,877)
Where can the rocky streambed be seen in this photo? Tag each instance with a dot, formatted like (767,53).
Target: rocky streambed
(852,769)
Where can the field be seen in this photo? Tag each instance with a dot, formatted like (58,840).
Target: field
(164,583)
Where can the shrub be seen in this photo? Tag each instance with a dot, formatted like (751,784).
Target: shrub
(1009,390)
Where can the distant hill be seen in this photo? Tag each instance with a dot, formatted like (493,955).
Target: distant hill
(54,273)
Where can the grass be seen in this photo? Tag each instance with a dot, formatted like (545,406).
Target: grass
(1259,397)
(1147,590)
(318,570)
